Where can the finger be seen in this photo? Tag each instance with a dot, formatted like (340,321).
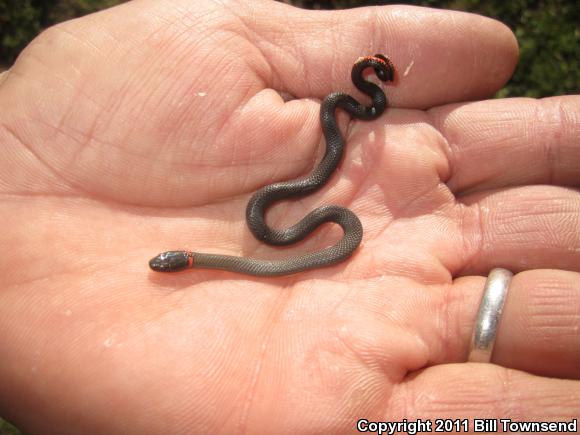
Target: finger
(501,143)
(469,391)
(538,331)
(542,320)
(437,62)
(522,228)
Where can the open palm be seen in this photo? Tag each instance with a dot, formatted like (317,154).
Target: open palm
(147,127)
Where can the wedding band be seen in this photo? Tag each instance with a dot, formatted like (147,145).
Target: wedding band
(489,315)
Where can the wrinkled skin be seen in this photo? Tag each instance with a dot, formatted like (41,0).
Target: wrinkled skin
(147,127)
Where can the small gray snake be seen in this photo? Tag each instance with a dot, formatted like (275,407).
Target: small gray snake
(175,261)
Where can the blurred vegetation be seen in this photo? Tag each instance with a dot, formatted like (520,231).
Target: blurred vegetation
(7,429)
(547,32)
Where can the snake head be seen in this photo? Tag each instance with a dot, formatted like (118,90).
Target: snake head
(172,261)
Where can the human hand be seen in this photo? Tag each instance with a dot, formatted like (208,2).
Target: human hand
(148,126)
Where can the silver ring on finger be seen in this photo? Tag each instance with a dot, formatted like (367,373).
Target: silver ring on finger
(489,315)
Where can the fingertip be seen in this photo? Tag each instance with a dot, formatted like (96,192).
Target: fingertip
(501,52)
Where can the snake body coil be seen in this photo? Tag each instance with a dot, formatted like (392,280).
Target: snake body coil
(174,261)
